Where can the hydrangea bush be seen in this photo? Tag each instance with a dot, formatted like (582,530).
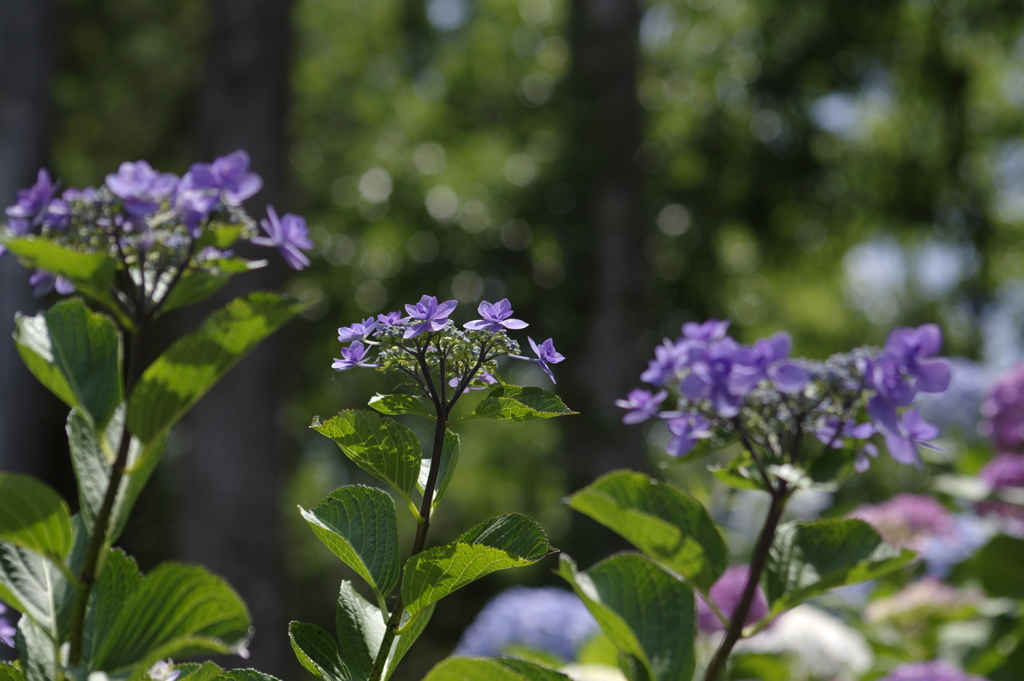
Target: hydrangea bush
(136,247)
(678,608)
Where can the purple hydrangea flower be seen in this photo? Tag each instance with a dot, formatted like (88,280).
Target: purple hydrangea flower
(912,432)
(907,520)
(32,203)
(357,332)
(353,356)
(913,347)
(768,359)
(826,432)
(7,631)
(1004,471)
(391,318)
(641,404)
(669,360)
(1003,411)
(44,282)
(546,354)
(726,594)
(711,371)
(935,670)
(428,315)
(546,619)
(141,187)
(228,178)
(495,317)
(686,430)
(710,331)
(483,380)
(288,234)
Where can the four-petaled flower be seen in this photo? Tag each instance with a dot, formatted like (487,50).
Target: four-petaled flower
(911,432)
(428,315)
(141,187)
(32,203)
(641,404)
(353,356)
(546,354)
(391,318)
(686,431)
(289,235)
(358,331)
(495,317)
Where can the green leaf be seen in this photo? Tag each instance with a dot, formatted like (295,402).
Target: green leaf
(492,669)
(361,625)
(192,671)
(197,285)
(177,610)
(92,457)
(739,473)
(507,541)
(245,675)
(91,273)
(808,559)
(358,524)
(35,586)
(37,651)
(670,527)
(396,403)
(317,651)
(514,403)
(9,672)
(380,446)
(119,579)
(75,353)
(183,374)
(449,461)
(647,613)
(998,566)
(34,516)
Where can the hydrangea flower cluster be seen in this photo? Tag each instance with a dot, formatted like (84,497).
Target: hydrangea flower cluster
(935,670)
(426,342)
(907,520)
(1003,413)
(545,619)
(721,388)
(156,225)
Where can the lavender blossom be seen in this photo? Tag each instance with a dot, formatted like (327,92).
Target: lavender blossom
(359,331)
(641,404)
(289,235)
(709,331)
(43,282)
(726,594)
(495,317)
(913,347)
(935,670)
(686,430)
(228,178)
(1003,411)
(391,318)
(545,619)
(428,315)
(483,380)
(546,354)
(7,630)
(911,432)
(353,356)
(30,209)
(141,187)
(907,520)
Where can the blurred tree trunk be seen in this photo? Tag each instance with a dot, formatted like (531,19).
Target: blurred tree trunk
(606,272)
(26,64)
(231,478)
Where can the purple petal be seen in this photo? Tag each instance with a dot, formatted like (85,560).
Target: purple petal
(933,377)
(788,378)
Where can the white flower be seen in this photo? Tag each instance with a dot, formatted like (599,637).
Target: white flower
(821,644)
(163,670)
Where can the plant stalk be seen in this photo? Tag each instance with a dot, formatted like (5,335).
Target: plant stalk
(377,671)
(716,669)
(98,538)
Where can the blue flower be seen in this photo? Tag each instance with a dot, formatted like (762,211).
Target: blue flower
(353,356)
(642,405)
(428,315)
(357,332)
(289,235)
(495,317)
(545,619)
